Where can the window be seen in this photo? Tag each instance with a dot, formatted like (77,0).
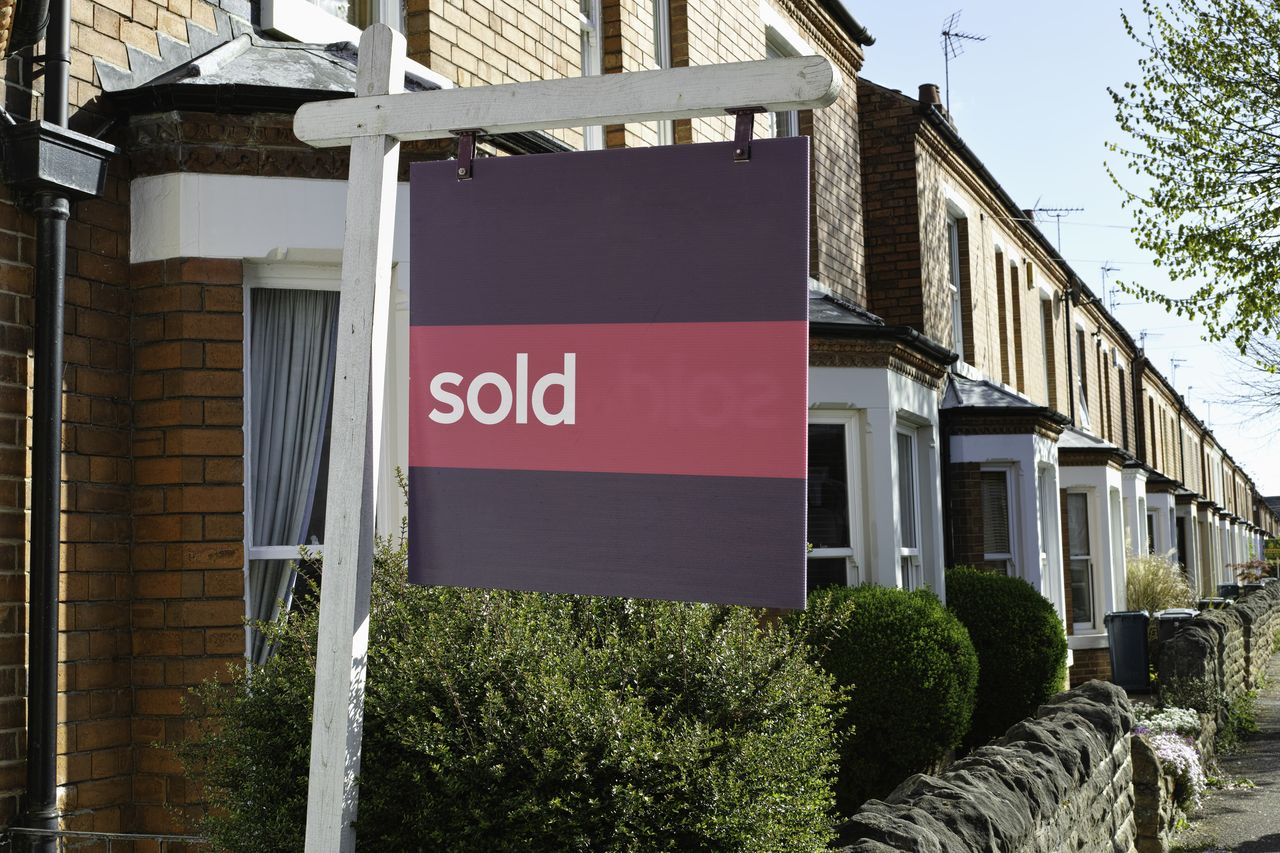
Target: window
(292,346)
(1124,409)
(589,17)
(662,55)
(1079,554)
(787,123)
(1106,395)
(328,21)
(997,531)
(1082,375)
(832,504)
(1151,532)
(1018,379)
(1002,313)
(1047,341)
(908,511)
(957,307)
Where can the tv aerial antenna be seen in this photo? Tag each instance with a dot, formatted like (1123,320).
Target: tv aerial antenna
(1056,214)
(952,46)
(1107,268)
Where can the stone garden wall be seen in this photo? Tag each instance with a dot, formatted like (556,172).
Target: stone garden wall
(1217,657)
(1062,780)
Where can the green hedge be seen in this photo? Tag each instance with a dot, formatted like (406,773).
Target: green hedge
(499,721)
(1021,645)
(913,673)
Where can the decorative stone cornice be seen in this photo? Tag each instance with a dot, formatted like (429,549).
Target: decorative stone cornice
(259,144)
(887,354)
(821,30)
(986,422)
(1072,457)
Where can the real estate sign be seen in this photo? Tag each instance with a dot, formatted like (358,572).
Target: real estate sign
(608,364)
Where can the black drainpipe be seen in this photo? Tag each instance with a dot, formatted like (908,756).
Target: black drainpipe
(52,208)
(48,165)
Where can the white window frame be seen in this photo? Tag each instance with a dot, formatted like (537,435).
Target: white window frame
(781,40)
(328,277)
(1095,590)
(953,281)
(1082,375)
(662,57)
(784,123)
(590,22)
(910,566)
(852,423)
(1046,333)
(1009,558)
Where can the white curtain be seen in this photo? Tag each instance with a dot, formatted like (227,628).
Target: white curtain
(293,338)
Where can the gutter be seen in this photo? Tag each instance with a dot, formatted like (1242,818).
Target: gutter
(903,334)
(848,23)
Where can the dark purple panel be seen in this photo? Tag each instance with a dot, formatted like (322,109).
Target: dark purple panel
(645,235)
(730,540)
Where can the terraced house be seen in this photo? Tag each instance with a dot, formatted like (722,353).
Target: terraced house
(970,401)
(1065,449)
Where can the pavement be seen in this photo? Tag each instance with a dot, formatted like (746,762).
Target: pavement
(1240,818)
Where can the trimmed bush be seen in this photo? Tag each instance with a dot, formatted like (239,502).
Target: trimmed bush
(1021,645)
(501,721)
(912,673)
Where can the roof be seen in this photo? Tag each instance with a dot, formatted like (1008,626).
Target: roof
(827,309)
(978,393)
(1074,439)
(236,69)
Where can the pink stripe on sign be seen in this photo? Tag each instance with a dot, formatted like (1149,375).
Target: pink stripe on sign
(709,399)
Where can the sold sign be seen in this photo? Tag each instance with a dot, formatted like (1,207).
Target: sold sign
(608,362)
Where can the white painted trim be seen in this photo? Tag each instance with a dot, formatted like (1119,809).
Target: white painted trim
(308,23)
(852,421)
(282,552)
(1091,640)
(784,30)
(240,216)
(776,85)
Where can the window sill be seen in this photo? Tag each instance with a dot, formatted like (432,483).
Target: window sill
(308,23)
(1088,641)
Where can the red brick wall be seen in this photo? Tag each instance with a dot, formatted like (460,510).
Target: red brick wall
(96,760)
(891,207)
(1090,664)
(188,554)
(964,507)
(15,382)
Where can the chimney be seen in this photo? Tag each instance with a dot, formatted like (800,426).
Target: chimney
(931,96)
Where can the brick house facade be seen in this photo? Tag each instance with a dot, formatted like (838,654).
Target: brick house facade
(212,198)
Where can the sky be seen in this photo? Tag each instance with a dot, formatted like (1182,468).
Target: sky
(1031,101)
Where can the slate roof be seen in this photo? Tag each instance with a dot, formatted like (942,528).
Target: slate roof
(978,393)
(825,309)
(236,58)
(1074,439)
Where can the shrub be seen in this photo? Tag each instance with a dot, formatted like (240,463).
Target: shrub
(1155,582)
(502,721)
(1021,646)
(912,671)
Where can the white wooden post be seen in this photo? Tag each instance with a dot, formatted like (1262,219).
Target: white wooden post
(373,124)
(353,453)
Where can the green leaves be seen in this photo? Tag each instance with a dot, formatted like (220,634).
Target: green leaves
(909,673)
(1204,132)
(516,721)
